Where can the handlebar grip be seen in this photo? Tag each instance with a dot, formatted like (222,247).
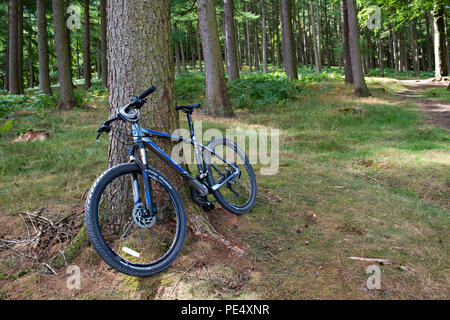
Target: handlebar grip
(147,92)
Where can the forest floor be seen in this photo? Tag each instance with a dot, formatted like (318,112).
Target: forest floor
(358,177)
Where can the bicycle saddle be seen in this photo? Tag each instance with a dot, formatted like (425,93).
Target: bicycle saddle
(188,108)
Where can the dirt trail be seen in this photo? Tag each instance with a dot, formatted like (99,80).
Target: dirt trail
(438,112)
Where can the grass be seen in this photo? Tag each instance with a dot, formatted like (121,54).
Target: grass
(358,177)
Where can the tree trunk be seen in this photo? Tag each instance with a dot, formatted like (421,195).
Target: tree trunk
(130,23)
(104,43)
(13,47)
(247,41)
(414,49)
(277,28)
(318,33)
(264,37)
(183,59)
(199,49)
(315,44)
(6,77)
(290,63)
(440,46)
(77,55)
(429,42)
(191,44)
(230,41)
(345,44)
(177,57)
(44,72)
(20,45)
(255,39)
(395,49)
(67,98)
(217,101)
(380,56)
(359,82)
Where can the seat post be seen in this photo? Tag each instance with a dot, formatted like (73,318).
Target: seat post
(191,126)
(196,149)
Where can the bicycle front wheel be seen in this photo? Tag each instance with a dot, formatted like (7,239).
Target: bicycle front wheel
(120,229)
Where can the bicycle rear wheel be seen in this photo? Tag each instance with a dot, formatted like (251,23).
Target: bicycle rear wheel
(238,195)
(121,231)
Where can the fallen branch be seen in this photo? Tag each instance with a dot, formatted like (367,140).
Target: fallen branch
(374,260)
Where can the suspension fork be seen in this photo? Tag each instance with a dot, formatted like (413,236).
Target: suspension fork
(145,172)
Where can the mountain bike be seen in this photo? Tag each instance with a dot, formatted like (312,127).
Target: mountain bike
(135,217)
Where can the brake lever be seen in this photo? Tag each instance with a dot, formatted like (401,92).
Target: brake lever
(103,128)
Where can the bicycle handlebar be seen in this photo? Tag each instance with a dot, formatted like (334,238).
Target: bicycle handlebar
(136,103)
(147,92)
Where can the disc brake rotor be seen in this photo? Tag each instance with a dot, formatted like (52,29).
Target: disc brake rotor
(141,217)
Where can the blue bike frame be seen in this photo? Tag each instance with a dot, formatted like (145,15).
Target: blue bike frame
(141,138)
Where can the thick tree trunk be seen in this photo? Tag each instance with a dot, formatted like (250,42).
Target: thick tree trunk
(290,63)
(130,23)
(264,37)
(87,46)
(104,43)
(440,45)
(13,47)
(44,72)
(345,44)
(217,102)
(359,82)
(67,98)
(230,41)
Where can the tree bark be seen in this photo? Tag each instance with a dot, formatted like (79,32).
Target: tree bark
(290,63)
(230,41)
(359,82)
(20,45)
(440,46)
(217,102)
(314,35)
(67,98)
(345,44)
(414,49)
(177,57)
(183,59)
(87,46)
(130,23)
(247,41)
(104,43)
(44,72)
(13,47)
(199,49)
(264,37)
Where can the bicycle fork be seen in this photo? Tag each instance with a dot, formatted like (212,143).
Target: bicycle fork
(146,178)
